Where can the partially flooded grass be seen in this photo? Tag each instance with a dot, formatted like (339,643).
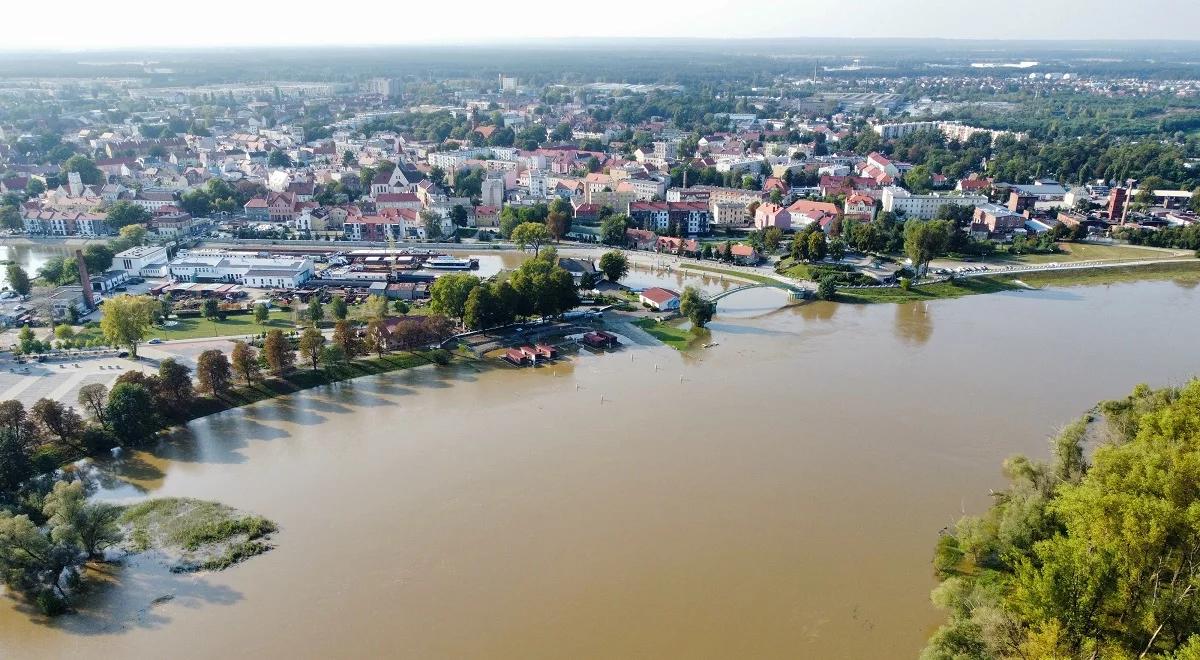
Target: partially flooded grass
(199,535)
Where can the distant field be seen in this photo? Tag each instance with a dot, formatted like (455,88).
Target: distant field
(1187,271)
(1093,252)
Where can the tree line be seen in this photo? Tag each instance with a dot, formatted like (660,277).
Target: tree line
(1079,559)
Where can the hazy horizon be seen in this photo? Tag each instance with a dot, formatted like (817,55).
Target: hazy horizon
(141,24)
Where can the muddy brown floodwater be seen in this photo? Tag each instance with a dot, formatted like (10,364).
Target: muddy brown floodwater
(775,496)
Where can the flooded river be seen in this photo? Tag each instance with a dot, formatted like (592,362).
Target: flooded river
(775,496)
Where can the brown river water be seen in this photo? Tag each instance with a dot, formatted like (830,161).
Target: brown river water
(775,496)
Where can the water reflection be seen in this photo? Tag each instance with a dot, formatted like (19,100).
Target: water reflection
(914,323)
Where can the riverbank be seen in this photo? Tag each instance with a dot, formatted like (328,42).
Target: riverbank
(1186,270)
(302,379)
(923,292)
(671,334)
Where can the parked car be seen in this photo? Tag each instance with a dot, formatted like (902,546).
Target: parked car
(156,340)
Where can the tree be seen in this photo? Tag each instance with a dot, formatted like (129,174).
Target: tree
(448,293)
(458,215)
(345,338)
(18,279)
(817,245)
(1084,561)
(278,351)
(211,309)
(93,397)
(696,307)
(278,158)
(614,265)
(377,336)
(126,320)
(333,354)
(89,174)
(433,225)
(130,413)
(31,563)
(98,257)
(261,313)
(827,287)
(311,343)
(26,342)
(558,224)
(923,241)
(60,422)
(771,238)
(132,235)
(315,311)
(530,234)
(337,307)
(376,306)
(10,216)
(919,179)
(484,308)
(542,288)
(837,249)
(245,362)
(73,520)
(123,214)
(213,372)
(15,464)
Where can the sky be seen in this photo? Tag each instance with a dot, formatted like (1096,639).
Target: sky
(84,25)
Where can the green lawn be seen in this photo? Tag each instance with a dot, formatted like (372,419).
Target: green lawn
(242,324)
(1088,252)
(752,277)
(668,333)
(1168,271)
(918,293)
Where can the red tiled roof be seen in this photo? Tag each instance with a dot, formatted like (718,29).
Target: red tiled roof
(659,296)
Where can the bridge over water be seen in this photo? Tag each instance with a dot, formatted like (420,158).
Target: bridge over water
(794,292)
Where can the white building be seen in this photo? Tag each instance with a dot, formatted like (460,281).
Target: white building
(924,207)
(242,268)
(143,257)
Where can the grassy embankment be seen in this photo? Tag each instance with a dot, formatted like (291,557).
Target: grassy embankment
(670,334)
(1181,270)
(923,292)
(1089,252)
(749,277)
(303,378)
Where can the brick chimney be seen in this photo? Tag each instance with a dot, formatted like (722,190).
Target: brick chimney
(85,280)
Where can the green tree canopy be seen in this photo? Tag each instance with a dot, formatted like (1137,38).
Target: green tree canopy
(1078,561)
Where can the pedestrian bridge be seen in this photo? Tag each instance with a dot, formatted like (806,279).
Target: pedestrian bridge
(795,292)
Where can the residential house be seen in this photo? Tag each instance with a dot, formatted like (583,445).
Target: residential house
(745,255)
(772,215)
(641,239)
(660,299)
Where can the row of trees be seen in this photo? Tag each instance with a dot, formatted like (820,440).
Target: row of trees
(539,287)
